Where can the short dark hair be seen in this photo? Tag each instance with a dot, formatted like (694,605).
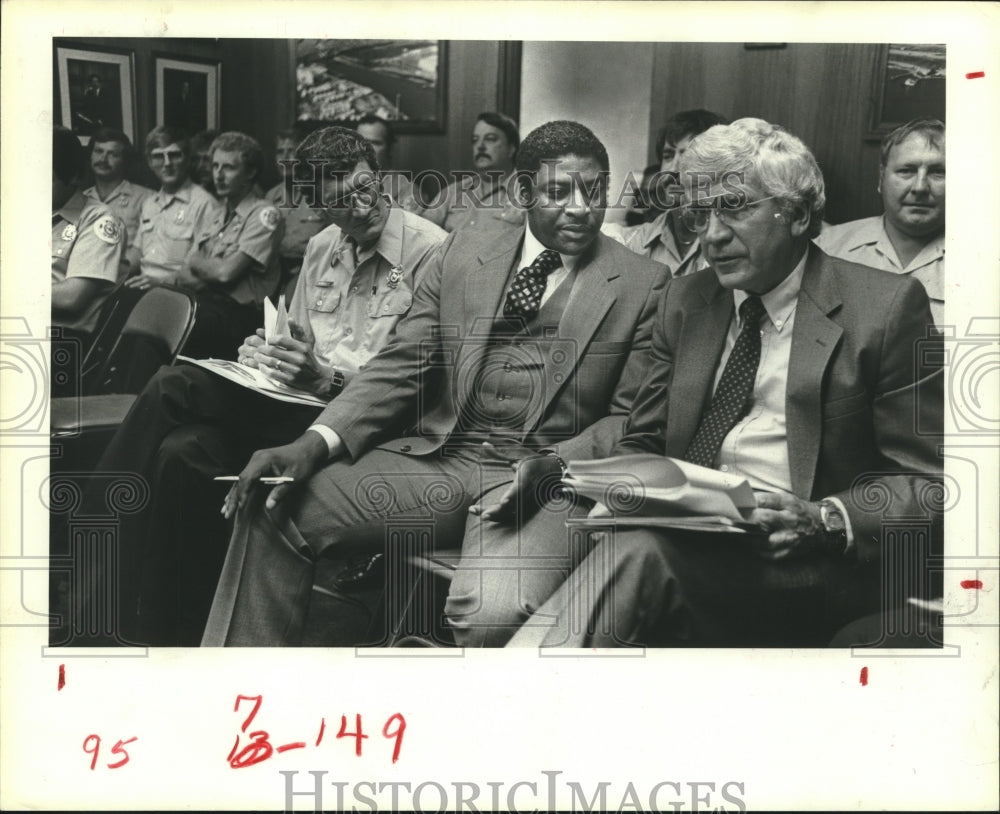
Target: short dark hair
(930,129)
(340,148)
(202,140)
(502,122)
(110,134)
(371,118)
(555,140)
(67,155)
(247,146)
(684,124)
(288,134)
(165,135)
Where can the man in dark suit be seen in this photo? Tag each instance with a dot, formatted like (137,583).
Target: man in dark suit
(523,346)
(812,378)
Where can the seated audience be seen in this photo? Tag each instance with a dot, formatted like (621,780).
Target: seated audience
(523,344)
(234,263)
(379,133)
(908,238)
(110,156)
(789,368)
(88,245)
(172,217)
(302,221)
(190,425)
(645,207)
(666,239)
(481,194)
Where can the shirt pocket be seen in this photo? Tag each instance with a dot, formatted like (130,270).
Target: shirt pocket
(323,301)
(392,302)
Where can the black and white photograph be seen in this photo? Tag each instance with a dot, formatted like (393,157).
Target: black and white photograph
(187,94)
(575,421)
(95,89)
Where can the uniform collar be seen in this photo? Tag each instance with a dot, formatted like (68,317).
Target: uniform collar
(780,301)
(182,194)
(871,232)
(390,242)
(121,189)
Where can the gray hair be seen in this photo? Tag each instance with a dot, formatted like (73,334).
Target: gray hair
(766,157)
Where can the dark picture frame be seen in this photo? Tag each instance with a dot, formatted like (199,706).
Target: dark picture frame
(909,84)
(96,88)
(339,81)
(187,92)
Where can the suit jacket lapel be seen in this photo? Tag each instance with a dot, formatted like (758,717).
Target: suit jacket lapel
(698,350)
(814,339)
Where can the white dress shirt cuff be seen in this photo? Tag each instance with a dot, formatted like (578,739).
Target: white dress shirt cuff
(332,439)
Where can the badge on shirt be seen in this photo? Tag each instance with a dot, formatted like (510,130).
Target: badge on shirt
(69,232)
(395,275)
(107,230)
(180,216)
(123,201)
(269,218)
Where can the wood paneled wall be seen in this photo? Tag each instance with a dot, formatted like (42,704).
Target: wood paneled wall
(819,92)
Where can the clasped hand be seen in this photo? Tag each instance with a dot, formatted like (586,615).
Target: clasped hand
(287,359)
(795,525)
(536,478)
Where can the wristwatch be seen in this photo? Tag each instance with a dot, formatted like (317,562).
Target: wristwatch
(834,526)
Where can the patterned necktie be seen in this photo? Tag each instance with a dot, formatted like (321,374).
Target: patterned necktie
(732,397)
(525,295)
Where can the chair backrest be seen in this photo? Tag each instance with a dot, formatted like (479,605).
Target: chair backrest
(153,335)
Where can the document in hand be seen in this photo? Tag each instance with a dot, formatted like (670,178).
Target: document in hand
(253,379)
(275,319)
(647,489)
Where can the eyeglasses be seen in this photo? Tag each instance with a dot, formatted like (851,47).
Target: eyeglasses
(696,217)
(159,156)
(364,197)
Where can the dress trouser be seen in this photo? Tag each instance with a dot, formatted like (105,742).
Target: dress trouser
(672,588)
(185,428)
(372,504)
(220,326)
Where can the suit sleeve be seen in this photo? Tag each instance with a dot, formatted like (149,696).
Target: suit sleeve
(907,420)
(597,440)
(381,402)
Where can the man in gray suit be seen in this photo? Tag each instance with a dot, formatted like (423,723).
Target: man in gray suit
(814,379)
(524,346)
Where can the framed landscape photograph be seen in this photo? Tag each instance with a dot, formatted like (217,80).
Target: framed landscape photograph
(340,81)
(187,93)
(909,84)
(96,89)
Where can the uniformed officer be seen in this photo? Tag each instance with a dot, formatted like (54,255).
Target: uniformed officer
(88,244)
(110,157)
(474,197)
(170,218)
(234,264)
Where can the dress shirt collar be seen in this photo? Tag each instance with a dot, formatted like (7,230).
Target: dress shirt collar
(533,247)
(245,206)
(780,301)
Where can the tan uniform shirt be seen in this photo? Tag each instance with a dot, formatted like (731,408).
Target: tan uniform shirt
(168,225)
(125,201)
(351,302)
(255,227)
(87,241)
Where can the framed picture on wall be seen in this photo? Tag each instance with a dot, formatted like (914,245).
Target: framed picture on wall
(909,84)
(187,93)
(96,89)
(340,81)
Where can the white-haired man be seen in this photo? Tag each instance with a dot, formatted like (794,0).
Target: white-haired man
(793,370)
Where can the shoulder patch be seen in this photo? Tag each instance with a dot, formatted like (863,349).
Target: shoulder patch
(108,230)
(69,232)
(269,217)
